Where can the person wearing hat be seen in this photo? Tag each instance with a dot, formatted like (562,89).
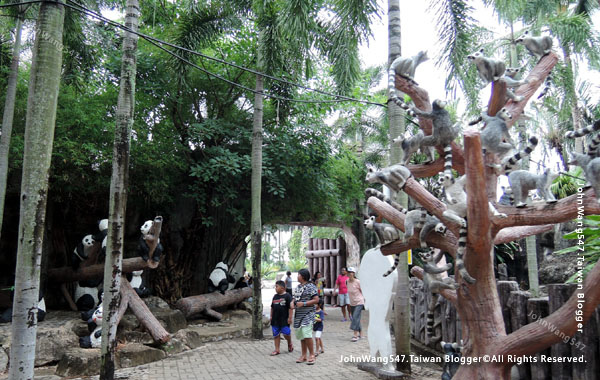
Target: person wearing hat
(357,303)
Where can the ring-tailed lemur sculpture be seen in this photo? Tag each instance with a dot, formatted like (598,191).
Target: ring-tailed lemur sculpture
(511,82)
(386,233)
(588,162)
(521,181)
(508,164)
(414,220)
(434,282)
(443,132)
(456,201)
(411,144)
(489,69)
(406,66)
(495,137)
(384,198)
(538,47)
(594,143)
(394,176)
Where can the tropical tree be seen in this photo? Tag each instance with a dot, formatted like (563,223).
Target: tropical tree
(9,109)
(39,135)
(118,192)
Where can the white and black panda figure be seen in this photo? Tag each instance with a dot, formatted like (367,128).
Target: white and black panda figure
(87,314)
(220,278)
(82,251)
(102,230)
(6,315)
(143,249)
(86,296)
(41,309)
(137,283)
(94,340)
(95,319)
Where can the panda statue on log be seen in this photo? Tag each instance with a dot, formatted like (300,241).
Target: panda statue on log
(143,249)
(220,278)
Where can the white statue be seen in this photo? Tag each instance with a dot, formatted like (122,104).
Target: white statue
(377,291)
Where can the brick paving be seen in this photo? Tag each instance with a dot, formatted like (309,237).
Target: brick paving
(248,359)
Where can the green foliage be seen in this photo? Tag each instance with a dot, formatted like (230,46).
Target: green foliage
(295,247)
(267,270)
(294,265)
(588,246)
(326,233)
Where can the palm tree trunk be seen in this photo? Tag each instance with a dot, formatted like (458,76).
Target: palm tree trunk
(118,193)
(39,137)
(396,120)
(256,223)
(7,118)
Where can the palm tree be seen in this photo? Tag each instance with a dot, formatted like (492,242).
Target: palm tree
(118,192)
(9,110)
(397,128)
(39,134)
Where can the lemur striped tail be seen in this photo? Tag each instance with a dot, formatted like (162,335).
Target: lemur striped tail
(448,159)
(430,322)
(508,165)
(393,94)
(547,86)
(460,254)
(382,197)
(394,266)
(583,131)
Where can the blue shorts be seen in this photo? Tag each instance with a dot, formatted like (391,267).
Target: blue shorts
(343,299)
(285,330)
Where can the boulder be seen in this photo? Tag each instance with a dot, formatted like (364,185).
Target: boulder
(557,269)
(3,360)
(135,354)
(79,362)
(172,320)
(173,347)
(136,337)
(55,337)
(154,303)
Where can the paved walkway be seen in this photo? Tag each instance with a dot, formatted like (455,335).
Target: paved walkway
(248,359)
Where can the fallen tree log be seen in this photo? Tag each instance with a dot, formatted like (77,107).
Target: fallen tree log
(94,272)
(142,313)
(205,303)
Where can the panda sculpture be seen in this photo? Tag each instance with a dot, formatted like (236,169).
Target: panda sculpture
(137,283)
(102,230)
(94,340)
(6,315)
(86,294)
(82,251)
(143,249)
(220,278)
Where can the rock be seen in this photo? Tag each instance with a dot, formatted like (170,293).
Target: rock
(53,341)
(557,269)
(245,305)
(173,347)
(136,337)
(3,360)
(79,362)
(129,322)
(135,354)
(156,303)
(172,320)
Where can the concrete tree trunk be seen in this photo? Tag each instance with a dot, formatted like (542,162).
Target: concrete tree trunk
(7,117)
(256,222)
(397,128)
(118,193)
(39,137)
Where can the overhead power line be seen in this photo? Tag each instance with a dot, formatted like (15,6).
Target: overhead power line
(155,41)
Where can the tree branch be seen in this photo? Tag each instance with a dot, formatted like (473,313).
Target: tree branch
(517,233)
(539,335)
(67,274)
(542,213)
(478,215)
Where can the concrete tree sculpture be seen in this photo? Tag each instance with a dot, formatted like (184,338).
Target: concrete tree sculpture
(478,304)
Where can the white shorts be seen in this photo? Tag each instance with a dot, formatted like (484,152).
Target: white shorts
(343,299)
(318,334)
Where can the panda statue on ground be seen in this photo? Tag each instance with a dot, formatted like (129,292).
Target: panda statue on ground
(6,315)
(82,251)
(220,278)
(86,294)
(94,340)
(137,283)
(143,249)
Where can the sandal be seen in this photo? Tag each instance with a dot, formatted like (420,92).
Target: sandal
(274,353)
(321,352)
(311,361)
(301,360)
(290,348)
(354,339)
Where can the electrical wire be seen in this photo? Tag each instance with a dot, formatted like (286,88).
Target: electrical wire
(155,41)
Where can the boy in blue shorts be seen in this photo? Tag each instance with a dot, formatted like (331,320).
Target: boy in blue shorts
(281,317)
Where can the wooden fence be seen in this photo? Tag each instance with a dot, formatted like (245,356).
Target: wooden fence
(327,256)
(518,309)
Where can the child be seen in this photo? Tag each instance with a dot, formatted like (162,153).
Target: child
(281,317)
(318,328)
